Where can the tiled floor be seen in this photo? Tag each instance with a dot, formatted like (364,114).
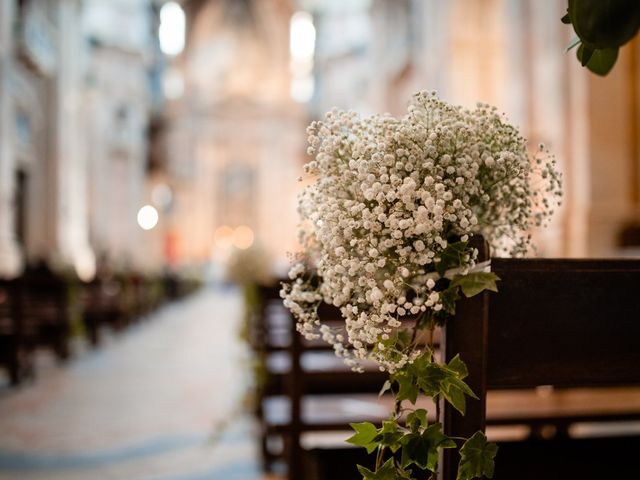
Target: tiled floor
(162,401)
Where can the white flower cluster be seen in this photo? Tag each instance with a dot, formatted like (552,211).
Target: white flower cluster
(389,196)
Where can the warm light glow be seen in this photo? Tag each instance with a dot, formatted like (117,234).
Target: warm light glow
(243,237)
(173,84)
(85,264)
(302,44)
(172,28)
(302,40)
(223,236)
(147,217)
(302,88)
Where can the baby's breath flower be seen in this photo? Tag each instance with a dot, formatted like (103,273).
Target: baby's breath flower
(389,195)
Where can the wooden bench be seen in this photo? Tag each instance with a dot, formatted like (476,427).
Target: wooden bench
(15,350)
(564,324)
(555,359)
(43,310)
(102,307)
(305,387)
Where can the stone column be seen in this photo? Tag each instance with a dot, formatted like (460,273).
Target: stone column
(611,146)
(11,259)
(68,161)
(546,103)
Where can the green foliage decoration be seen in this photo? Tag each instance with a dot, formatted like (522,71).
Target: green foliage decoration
(407,443)
(601,27)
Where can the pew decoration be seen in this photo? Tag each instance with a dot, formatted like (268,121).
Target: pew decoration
(387,232)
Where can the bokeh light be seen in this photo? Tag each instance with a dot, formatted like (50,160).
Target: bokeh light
(223,236)
(147,217)
(172,29)
(243,237)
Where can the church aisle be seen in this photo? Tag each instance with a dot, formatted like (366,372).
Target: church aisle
(155,403)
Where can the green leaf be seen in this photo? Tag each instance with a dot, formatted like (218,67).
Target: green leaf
(474,283)
(432,380)
(414,451)
(477,458)
(417,419)
(387,471)
(584,54)
(602,61)
(442,380)
(407,387)
(449,297)
(407,378)
(457,365)
(389,436)
(605,23)
(455,397)
(365,433)
(422,449)
(403,338)
(433,436)
(451,257)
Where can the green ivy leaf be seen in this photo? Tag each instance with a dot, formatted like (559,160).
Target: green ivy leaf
(584,54)
(407,387)
(599,61)
(433,436)
(432,379)
(387,471)
(446,380)
(457,365)
(364,436)
(477,458)
(403,338)
(455,397)
(474,283)
(415,451)
(407,378)
(449,297)
(389,436)
(451,257)
(605,23)
(422,449)
(417,420)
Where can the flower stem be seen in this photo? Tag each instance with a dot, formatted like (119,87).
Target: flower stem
(379,457)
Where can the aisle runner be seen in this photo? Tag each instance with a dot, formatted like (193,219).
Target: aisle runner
(143,408)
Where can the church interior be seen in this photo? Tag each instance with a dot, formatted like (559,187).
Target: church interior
(151,161)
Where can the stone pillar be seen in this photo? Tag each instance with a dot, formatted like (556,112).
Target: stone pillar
(611,144)
(577,179)
(68,161)
(546,101)
(11,259)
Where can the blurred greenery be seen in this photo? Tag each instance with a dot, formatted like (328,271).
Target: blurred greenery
(602,27)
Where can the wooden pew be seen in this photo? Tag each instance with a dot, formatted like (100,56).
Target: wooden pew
(306,388)
(42,310)
(102,306)
(561,323)
(15,350)
(555,353)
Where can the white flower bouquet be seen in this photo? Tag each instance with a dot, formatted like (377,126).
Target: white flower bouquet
(386,223)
